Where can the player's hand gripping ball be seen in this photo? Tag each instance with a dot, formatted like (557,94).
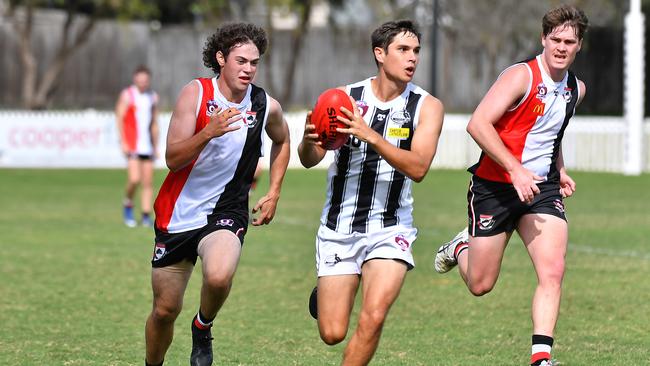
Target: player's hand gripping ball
(327,108)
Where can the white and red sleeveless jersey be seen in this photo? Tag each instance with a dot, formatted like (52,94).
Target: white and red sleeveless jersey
(137,121)
(364,192)
(532,131)
(219,179)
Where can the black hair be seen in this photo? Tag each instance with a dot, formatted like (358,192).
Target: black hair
(142,68)
(229,36)
(384,35)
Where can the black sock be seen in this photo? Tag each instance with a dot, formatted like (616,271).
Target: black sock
(151,364)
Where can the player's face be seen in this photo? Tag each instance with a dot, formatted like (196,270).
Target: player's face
(402,57)
(561,47)
(239,69)
(141,81)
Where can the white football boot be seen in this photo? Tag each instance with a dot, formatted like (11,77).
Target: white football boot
(445,259)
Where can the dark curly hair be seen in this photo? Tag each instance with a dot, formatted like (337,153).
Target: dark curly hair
(229,36)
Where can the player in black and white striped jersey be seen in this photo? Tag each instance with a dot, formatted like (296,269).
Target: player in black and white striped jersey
(366,230)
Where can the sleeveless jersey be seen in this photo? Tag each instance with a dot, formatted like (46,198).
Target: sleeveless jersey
(364,192)
(137,121)
(219,179)
(532,131)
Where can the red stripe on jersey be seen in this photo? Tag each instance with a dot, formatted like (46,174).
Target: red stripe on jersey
(130,125)
(513,128)
(175,181)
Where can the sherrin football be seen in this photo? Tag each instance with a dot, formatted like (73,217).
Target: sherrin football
(327,108)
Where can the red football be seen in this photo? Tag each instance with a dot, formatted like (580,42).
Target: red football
(324,115)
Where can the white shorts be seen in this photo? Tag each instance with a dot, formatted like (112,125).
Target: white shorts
(338,254)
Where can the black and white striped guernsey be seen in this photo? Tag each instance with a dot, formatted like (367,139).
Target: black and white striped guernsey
(364,192)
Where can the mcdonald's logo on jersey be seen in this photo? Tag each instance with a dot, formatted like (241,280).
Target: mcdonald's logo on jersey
(538,109)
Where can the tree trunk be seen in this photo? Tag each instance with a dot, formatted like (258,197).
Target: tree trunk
(36,94)
(296,48)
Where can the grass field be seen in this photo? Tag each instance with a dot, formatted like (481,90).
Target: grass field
(74,282)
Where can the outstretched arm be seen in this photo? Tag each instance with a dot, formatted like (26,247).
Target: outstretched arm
(278,131)
(414,163)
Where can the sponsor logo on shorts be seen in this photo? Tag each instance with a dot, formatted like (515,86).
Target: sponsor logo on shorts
(225,222)
(401,241)
(332,260)
(558,205)
(159,251)
(251,119)
(210,107)
(485,222)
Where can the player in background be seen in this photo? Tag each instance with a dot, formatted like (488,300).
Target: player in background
(520,180)
(213,147)
(137,124)
(366,232)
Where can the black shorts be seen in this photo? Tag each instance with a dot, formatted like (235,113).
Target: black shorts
(494,207)
(139,156)
(173,248)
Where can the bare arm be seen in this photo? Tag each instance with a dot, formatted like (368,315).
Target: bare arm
(278,132)
(506,92)
(567,185)
(310,150)
(120,111)
(183,145)
(154,129)
(414,163)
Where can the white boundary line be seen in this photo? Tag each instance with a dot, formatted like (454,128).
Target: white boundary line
(609,251)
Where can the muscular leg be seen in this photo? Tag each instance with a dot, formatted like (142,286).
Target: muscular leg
(480,264)
(545,237)
(133,177)
(168,286)
(147,185)
(219,252)
(382,281)
(335,301)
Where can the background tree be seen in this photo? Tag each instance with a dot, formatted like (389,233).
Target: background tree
(80,19)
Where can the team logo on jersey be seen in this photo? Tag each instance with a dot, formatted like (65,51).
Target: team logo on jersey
(332,260)
(211,107)
(225,222)
(541,91)
(159,251)
(567,94)
(381,117)
(558,205)
(538,109)
(251,119)
(485,222)
(401,241)
(363,107)
(400,117)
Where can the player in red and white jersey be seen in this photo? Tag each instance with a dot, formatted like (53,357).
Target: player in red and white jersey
(366,232)
(213,147)
(520,180)
(137,123)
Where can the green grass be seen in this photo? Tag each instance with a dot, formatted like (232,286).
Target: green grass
(74,282)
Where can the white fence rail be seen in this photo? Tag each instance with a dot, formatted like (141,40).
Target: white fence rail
(88,139)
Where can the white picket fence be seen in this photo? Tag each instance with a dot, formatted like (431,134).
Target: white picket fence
(88,139)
